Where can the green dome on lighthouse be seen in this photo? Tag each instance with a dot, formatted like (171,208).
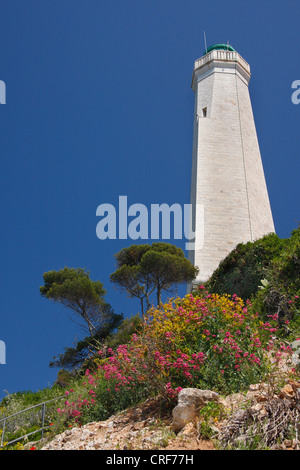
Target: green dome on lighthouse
(224,47)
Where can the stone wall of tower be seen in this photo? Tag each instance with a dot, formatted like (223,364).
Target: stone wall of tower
(227,173)
(261,219)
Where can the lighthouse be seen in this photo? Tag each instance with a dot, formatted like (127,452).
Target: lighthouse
(229,196)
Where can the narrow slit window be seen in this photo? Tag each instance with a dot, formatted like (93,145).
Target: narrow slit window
(204,112)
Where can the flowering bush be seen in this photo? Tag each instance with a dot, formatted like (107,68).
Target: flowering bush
(203,340)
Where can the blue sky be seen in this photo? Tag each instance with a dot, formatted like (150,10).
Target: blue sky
(99,104)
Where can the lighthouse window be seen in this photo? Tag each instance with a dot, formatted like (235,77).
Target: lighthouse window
(204,112)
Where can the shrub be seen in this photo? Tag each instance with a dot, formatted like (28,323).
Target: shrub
(279,294)
(204,341)
(246,265)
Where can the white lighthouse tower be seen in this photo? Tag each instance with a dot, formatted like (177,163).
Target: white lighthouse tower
(228,191)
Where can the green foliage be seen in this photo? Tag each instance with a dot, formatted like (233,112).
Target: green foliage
(214,339)
(87,347)
(203,341)
(266,271)
(74,289)
(210,414)
(279,295)
(243,269)
(142,269)
(213,411)
(111,400)
(65,378)
(30,420)
(15,402)
(125,330)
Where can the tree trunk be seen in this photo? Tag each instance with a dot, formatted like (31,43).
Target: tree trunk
(158,295)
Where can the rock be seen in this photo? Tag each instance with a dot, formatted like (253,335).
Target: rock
(262,397)
(296,444)
(258,392)
(288,443)
(276,447)
(258,409)
(241,440)
(29,444)
(254,387)
(188,429)
(240,415)
(124,432)
(138,426)
(215,430)
(287,391)
(295,385)
(98,445)
(190,402)
(158,439)
(233,401)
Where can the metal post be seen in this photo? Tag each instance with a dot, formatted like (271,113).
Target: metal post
(43,418)
(205,42)
(3,429)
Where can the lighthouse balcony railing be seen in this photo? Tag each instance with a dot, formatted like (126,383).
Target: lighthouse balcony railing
(222,55)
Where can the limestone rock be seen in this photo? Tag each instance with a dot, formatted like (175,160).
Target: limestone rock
(233,401)
(287,391)
(258,409)
(295,385)
(190,402)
